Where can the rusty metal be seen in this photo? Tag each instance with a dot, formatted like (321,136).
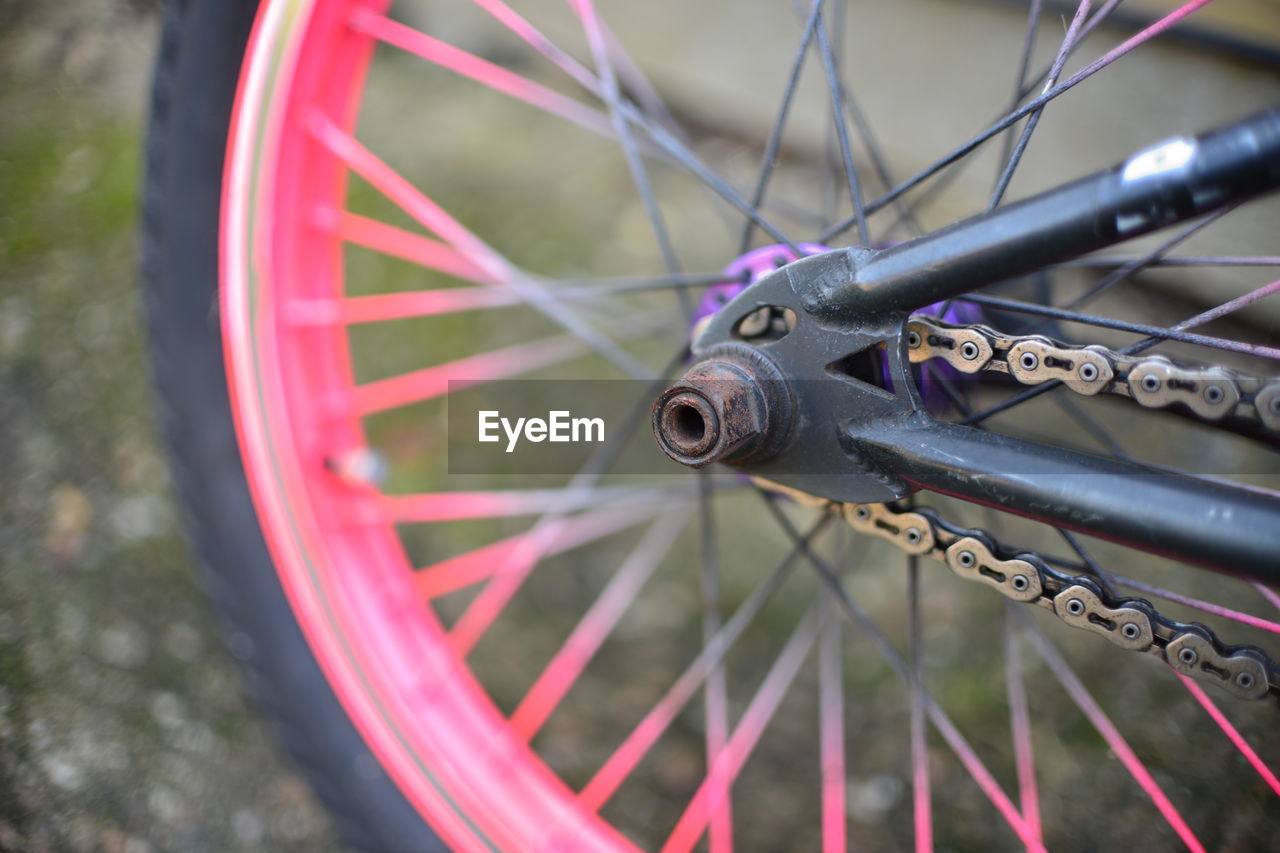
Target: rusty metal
(1077,600)
(731,407)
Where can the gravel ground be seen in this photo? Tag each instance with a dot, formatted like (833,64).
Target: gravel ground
(123,727)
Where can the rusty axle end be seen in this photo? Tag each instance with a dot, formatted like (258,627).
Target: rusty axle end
(732,406)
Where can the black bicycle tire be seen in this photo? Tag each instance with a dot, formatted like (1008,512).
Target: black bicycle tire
(201,50)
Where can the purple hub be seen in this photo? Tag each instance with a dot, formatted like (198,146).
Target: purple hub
(758,263)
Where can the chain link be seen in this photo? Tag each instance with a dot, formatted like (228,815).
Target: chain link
(1078,600)
(1210,393)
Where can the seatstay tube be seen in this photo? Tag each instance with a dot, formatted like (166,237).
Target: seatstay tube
(1169,183)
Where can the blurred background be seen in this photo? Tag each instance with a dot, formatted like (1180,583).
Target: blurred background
(123,726)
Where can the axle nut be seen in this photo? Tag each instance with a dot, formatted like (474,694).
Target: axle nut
(733,406)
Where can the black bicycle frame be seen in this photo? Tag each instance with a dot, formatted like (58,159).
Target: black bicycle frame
(883,444)
(1170,183)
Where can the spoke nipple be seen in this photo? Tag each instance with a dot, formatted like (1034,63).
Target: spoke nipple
(1130,630)
(1029,361)
(1188,656)
(1075,607)
(968,350)
(967,559)
(359,466)
(1019,583)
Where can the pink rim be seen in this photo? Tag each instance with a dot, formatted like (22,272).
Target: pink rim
(350,584)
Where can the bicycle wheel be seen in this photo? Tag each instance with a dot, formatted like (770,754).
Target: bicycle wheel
(442,668)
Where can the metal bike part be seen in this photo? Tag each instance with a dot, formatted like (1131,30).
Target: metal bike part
(832,373)
(1079,601)
(1160,186)
(1230,399)
(732,406)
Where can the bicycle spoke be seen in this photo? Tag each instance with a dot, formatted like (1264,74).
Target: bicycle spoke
(434,218)
(1075,79)
(1090,425)
(415,248)
(1102,723)
(1267,592)
(457,506)
(637,84)
(842,132)
(729,761)
(1171,334)
(921,798)
(774,145)
(482,71)
(514,552)
(1088,563)
(715,693)
(1131,269)
(586,12)
(1182,261)
(959,745)
(1020,727)
(1020,79)
(1198,604)
(568,663)
(427,383)
(383,307)
(1190,323)
(637,744)
(1232,733)
(681,154)
(831,732)
(1055,70)
(534,37)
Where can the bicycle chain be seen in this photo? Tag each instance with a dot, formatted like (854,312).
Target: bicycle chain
(1079,600)
(1189,648)
(1210,393)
